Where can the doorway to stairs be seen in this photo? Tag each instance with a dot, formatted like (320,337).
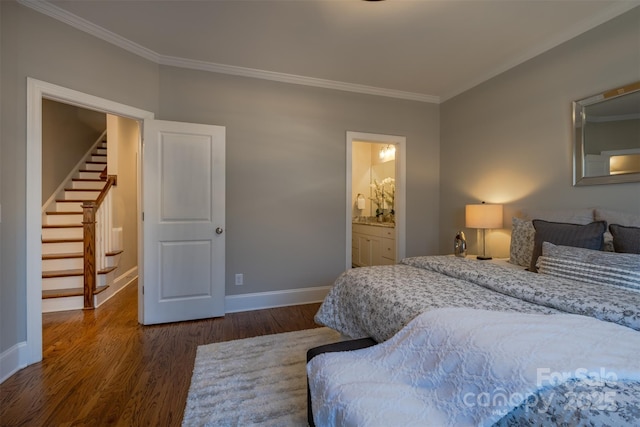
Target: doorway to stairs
(183,271)
(81,148)
(37,91)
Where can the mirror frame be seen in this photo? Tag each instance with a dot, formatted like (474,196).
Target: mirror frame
(578,139)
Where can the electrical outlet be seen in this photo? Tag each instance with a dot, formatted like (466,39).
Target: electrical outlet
(239,279)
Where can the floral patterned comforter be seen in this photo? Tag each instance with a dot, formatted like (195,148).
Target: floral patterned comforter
(379,301)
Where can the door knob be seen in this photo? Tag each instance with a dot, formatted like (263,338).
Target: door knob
(219,230)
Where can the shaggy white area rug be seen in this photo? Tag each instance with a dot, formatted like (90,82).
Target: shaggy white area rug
(254,381)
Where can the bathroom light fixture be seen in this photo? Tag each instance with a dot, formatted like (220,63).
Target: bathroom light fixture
(483,216)
(388,152)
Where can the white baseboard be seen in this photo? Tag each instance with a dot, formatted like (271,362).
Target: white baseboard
(12,360)
(262,300)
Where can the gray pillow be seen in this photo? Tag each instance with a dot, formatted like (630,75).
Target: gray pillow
(589,236)
(625,239)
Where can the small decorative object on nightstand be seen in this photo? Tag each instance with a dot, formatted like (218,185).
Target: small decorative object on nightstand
(460,245)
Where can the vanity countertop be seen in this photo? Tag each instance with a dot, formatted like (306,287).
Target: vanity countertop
(374,223)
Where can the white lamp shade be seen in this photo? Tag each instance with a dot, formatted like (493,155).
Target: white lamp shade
(483,216)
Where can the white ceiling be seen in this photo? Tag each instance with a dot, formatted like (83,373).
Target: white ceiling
(429,50)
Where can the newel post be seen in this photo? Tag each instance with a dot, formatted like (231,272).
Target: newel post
(89,245)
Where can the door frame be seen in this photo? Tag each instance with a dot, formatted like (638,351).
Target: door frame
(400,198)
(36,91)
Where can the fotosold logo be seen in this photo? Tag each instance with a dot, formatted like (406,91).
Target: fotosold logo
(578,389)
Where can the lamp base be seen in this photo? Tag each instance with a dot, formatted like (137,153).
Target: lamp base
(484,258)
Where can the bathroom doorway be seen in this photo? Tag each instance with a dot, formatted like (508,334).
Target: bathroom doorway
(375,199)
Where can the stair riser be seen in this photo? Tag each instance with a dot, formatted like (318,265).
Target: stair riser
(62,264)
(51,305)
(62,233)
(95,166)
(81,195)
(112,261)
(99,158)
(89,175)
(62,219)
(61,248)
(87,185)
(68,207)
(52,283)
(101,151)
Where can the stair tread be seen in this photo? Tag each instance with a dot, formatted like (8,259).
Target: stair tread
(87,179)
(114,253)
(63,213)
(84,189)
(70,292)
(61,240)
(73,272)
(63,256)
(93,162)
(100,289)
(73,200)
(62,226)
(62,273)
(61,293)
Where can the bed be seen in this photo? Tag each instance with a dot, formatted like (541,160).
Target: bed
(400,305)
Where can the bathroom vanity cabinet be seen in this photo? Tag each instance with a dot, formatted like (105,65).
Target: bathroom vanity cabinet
(372,245)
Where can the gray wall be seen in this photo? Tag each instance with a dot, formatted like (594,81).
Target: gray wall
(68,132)
(286,155)
(37,46)
(509,139)
(286,166)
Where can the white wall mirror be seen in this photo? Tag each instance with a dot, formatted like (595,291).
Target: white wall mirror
(607,137)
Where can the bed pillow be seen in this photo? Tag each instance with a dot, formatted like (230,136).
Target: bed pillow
(614,217)
(625,239)
(521,246)
(591,266)
(589,236)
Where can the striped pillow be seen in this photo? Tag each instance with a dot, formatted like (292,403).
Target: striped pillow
(590,266)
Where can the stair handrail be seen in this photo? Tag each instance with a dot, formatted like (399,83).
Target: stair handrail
(92,252)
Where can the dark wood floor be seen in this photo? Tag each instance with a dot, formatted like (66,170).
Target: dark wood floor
(102,368)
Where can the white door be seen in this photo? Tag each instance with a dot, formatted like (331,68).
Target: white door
(183,199)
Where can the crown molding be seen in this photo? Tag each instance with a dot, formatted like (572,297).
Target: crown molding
(82,24)
(294,79)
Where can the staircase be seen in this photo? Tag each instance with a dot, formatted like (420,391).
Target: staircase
(63,240)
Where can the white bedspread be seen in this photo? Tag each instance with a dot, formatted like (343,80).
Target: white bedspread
(468,367)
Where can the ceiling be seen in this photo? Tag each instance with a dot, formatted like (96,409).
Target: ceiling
(427,50)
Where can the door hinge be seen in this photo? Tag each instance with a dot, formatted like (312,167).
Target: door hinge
(143,290)
(143,216)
